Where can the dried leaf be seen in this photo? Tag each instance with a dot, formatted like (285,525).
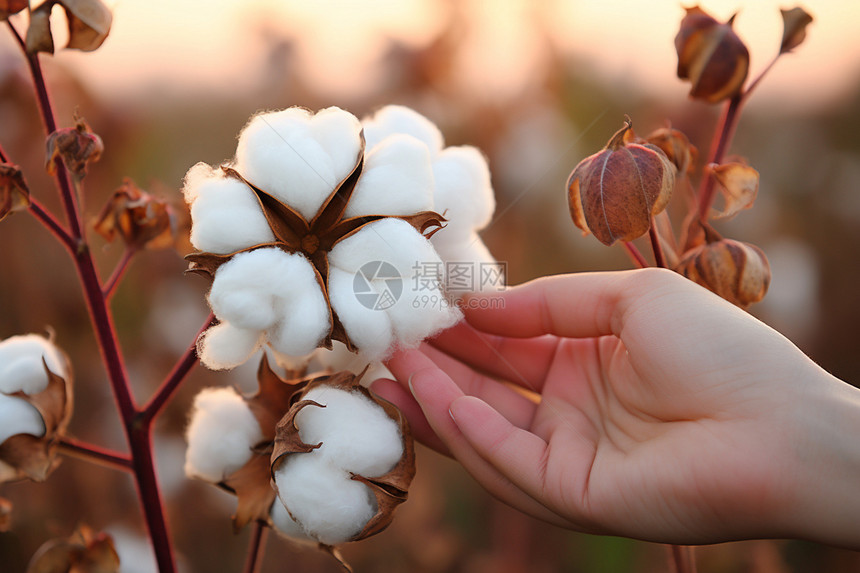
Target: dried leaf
(9,7)
(794,23)
(39,38)
(141,220)
(250,485)
(5,515)
(738,184)
(14,193)
(89,23)
(75,146)
(711,56)
(82,552)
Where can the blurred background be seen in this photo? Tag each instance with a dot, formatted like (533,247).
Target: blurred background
(536,86)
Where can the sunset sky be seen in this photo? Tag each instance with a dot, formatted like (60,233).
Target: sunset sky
(191,43)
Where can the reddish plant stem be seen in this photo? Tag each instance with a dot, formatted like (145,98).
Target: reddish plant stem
(118,272)
(183,366)
(256,548)
(94,454)
(138,430)
(50,222)
(723,138)
(720,144)
(659,259)
(683,558)
(46,217)
(635,255)
(62,178)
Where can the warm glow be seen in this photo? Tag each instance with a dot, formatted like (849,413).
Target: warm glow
(183,44)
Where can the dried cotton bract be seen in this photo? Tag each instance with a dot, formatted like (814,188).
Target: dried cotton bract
(35,405)
(307,206)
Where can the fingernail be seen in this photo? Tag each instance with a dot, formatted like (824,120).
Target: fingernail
(409,383)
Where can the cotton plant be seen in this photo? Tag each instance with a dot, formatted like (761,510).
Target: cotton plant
(304,233)
(35,405)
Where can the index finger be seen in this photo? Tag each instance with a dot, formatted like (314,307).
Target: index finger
(579,305)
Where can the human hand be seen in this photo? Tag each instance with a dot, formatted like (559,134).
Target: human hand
(638,404)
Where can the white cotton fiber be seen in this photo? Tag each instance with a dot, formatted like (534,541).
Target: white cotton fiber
(297,157)
(395,119)
(225,346)
(356,433)
(17,416)
(276,292)
(21,367)
(225,213)
(419,311)
(331,507)
(397,180)
(463,190)
(285,525)
(368,329)
(221,434)
(340,358)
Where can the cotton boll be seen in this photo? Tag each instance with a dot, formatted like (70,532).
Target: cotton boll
(397,180)
(21,367)
(464,194)
(221,434)
(331,507)
(394,119)
(368,329)
(473,253)
(270,289)
(355,432)
(226,215)
(285,525)
(17,416)
(225,346)
(339,358)
(288,155)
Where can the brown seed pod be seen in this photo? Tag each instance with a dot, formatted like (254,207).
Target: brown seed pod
(677,147)
(85,551)
(614,193)
(141,220)
(736,271)
(75,146)
(389,489)
(711,56)
(14,193)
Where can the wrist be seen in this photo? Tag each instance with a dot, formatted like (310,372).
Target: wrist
(822,503)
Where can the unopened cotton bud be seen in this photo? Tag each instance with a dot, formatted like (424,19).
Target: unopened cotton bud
(615,192)
(711,56)
(736,271)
